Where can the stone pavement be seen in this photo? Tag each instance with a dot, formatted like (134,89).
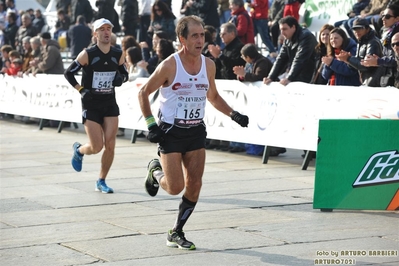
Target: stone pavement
(249,213)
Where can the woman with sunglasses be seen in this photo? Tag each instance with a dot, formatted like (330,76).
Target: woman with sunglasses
(387,63)
(162,19)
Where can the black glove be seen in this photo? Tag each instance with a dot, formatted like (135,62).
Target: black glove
(86,95)
(155,134)
(119,79)
(242,120)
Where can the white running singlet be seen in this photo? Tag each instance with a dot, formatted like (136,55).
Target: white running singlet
(183,102)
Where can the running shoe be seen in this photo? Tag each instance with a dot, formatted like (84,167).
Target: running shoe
(101,186)
(77,158)
(151,184)
(177,240)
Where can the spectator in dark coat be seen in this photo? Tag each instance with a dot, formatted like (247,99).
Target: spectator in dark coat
(79,37)
(11,29)
(261,65)
(39,22)
(207,10)
(106,10)
(230,56)
(368,44)
(64,5)
(26,29)
(297,57)
(62,24)
(276,12)
(81,7)
(129,17)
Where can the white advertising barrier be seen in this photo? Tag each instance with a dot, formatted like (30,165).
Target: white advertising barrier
(279,116)
(316,13)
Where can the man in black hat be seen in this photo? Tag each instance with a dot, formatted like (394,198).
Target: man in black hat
(368,44)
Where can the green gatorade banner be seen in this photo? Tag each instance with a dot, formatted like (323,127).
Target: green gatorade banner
(357,165)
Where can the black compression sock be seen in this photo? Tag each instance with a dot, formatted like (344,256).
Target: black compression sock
(186,207)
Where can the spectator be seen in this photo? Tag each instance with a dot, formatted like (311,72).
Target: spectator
(224,11)
(390,19)
(162,19)
(26,29)
(64,5)
(206,10)
(321,51)
(145,18)
(296,60)
(355,12)
(163,49)
(243,22)
(31,13)
(62,24)
(259,14)
(225,61)
(79,36)
(298,53)
(152,59)
(5,58)
(38,22)
(368,44)
(11,29)
(335,71)
(106,10)
(51,60)
(261,65)
(35,53)
(81,7)
(15,64)
(185,10)
(230,56)
(276,12)
(129,17)
(292,7)
(373,9)
(10,5)
(133,56)
(36,46)
(28,56)
(395,47)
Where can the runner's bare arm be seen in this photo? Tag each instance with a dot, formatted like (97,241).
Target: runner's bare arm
(162,76)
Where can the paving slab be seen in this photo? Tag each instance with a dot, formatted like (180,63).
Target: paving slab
(249,213)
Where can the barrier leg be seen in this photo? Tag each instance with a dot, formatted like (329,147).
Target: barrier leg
(41,124)
(308,157)
(134,136)
(266,153)
(60,126)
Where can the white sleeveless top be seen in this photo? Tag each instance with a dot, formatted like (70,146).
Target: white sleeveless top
(183,102)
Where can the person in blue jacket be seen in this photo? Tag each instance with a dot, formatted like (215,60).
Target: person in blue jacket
(335,71)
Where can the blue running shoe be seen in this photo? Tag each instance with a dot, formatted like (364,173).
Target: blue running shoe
(77,158)
(101,186)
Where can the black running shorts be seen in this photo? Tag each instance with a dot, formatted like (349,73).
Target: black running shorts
(97,115)
(182,140)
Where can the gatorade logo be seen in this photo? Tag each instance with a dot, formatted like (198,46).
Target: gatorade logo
(381,168)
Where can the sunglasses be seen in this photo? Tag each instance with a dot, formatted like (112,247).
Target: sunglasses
(387,16)
(394,44)
(156,9)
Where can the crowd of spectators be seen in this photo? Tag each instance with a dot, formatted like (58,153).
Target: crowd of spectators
(356,51)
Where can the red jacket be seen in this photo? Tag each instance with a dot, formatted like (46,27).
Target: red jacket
(244,25)
(260,9)
(13,69)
